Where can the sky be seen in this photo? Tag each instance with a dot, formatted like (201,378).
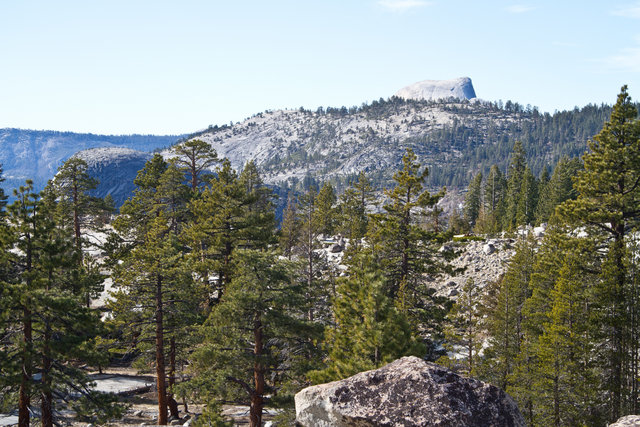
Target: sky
(173,67)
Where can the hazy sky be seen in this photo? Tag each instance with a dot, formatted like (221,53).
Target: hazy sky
(178,66)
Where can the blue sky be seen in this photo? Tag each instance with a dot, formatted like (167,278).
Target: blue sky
(168,67)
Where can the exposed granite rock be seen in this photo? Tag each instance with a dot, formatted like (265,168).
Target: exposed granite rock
(627,421)
(460,88)
(407,392)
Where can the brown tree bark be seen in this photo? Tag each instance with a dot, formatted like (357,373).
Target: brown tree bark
(160,369)
(257,399)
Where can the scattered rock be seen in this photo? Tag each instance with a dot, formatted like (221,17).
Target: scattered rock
(407,392)
(488,249)
(627,421)
(337,248)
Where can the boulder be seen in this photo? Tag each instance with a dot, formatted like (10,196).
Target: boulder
(407,392)
(488,249)
(627,421)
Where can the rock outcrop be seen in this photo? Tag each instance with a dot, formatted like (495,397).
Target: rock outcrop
(407,392)
(432,90)
(627,421)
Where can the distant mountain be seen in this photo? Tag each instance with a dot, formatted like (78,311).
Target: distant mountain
(115,168)
(455,138)
(36,155)
(433,90)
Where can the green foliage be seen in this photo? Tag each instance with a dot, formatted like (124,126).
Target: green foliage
(369,331)
(472,201)
(253,335)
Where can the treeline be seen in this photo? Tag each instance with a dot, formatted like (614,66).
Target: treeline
(505,200)
(559,332)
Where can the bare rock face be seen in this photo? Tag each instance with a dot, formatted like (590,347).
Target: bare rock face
(432,90)
(407,392)
(627,421)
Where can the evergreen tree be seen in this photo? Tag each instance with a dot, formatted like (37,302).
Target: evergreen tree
(558,189)
(565,376)
(353,209)
(326,209)
(194,157)
(250,334)
(50,324)
(404,247)
(506,315)
(369,331)
(527,199)
(290,229)
(515,177)
(608,199)
(472,201)
(492,209)
(464,328)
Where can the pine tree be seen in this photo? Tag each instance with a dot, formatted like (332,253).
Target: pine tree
(353,209)
(369,331)
(195,157)
(403,246)
(515,176)
(290,228)
(464,327)
(565,378)
(472,201)
(76,208)
(506,314)
(326,209)
(250,334)
(558,189)
(527,199)
(50,324)
(492,209)
(608,199)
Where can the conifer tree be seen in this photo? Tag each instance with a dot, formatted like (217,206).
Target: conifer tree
(50,324)
(195,157)
(506,319)
(353,209)
(326,209)
(492,209)
(558,189)
(464,328)
(250,335)
(608,199)
(404,247)
(290,229)
(369,331)
(473,200)
(515,176)
(565,375)
(527,199)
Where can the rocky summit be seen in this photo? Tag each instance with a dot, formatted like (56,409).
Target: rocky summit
(407,392)
(432,90)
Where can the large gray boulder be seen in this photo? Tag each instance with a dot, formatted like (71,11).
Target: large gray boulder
(407,392)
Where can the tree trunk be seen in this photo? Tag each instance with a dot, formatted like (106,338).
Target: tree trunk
(173,405)
(24,400)
(160,370)
(46,404)
(257,401)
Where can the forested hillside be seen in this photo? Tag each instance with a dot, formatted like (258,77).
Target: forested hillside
(455,139)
